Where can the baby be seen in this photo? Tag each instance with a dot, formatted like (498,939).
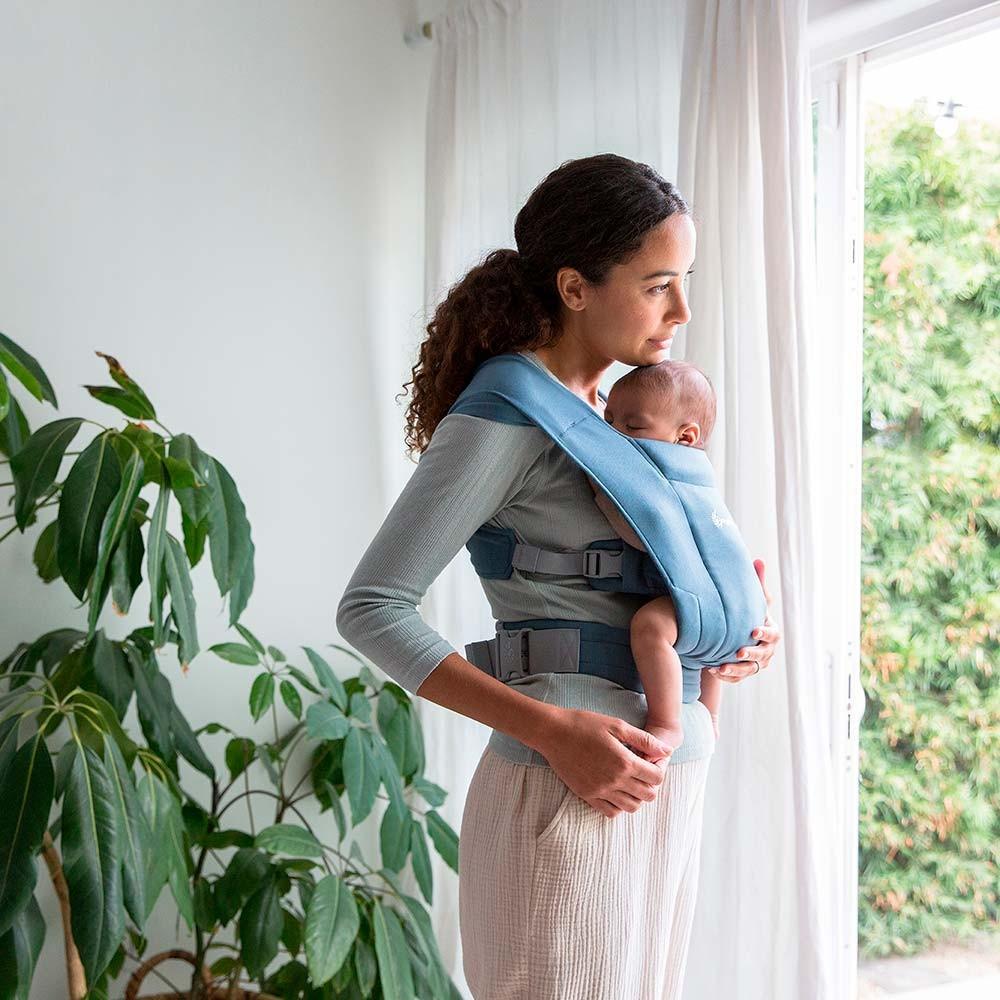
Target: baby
(671,401)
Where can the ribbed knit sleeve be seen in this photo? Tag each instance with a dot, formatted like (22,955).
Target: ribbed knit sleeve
(471,469)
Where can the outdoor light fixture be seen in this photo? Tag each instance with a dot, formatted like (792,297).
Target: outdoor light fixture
(946,124)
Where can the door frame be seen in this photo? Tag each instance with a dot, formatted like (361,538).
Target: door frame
(839,100)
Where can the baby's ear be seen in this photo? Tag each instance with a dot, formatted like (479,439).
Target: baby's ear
(689,434)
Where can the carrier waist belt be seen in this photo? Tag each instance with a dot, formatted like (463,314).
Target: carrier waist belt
(542,645)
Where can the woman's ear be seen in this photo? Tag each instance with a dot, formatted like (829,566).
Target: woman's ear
(689,434)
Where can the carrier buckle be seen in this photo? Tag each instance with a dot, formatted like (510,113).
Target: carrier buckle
(513,660)
(602,563)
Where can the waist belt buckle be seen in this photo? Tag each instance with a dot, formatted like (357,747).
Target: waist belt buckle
(513,660)
(602,563)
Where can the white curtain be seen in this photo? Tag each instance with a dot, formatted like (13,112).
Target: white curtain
(517,89)
(768,903)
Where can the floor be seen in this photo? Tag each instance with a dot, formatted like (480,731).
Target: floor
(966,971)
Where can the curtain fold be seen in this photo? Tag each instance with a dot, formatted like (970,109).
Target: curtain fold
(713,95)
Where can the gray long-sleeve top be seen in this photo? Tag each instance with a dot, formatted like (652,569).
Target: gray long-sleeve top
(477,471)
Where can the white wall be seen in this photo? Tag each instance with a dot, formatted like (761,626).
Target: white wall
(228,197)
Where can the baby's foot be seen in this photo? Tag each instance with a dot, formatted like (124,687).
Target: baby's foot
(671,735)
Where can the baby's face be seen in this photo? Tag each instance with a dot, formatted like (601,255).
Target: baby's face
(642,415)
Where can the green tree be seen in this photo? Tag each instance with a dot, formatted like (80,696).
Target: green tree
(930,737)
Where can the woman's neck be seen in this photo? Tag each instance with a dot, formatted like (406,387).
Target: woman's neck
(576,367)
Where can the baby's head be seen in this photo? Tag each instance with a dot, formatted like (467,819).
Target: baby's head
(671,401)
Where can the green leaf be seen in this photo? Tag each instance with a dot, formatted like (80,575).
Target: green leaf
(92,859)
(229,536)
(240,754)
(4,396)
(182,604)
(117,519)
(392,953)
(155,573)
(288,838)
(261,695)
(14,429)
(326,722)
(171,835)
(154,714)
(361,774)
(129,386)
(331,927)
(19,951)
(155,799)
(111,672)
(35,466)
(195,500)
(133,835)
(26,370)
(255,643)
(181,472)
(421,860)
(245,872)
(235,652)
(204,905)
(120,400)
(327,678)
(260,928)
(420,923)
(444,837)
(151,447)
(185,740)
(126,568)
(26,792)
(291,698)
(302,679)
(44,556)
(395,836)
(87,494)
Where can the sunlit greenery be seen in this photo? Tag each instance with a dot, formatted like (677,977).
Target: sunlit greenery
(930,737)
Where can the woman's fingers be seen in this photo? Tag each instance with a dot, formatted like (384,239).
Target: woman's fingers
(758,565)
(730,672)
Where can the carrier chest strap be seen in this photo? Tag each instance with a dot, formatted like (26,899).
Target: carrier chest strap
(593,563)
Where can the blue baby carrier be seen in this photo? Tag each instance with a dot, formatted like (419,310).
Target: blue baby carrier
(666,492)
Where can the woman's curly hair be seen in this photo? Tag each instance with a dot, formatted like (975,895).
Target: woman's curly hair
(589,214)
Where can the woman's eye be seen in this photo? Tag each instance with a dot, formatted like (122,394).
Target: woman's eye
(659,288)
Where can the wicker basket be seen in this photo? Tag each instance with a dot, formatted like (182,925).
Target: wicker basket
(211,992)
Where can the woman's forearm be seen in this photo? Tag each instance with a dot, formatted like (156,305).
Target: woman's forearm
(461,686)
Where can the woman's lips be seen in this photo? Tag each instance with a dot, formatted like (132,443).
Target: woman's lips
(661,342)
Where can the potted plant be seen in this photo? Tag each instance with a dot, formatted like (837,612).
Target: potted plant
(87,795)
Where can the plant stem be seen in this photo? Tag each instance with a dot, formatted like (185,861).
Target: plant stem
(75,976)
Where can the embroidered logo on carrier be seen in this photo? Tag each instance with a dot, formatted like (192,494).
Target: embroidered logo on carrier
(719,521)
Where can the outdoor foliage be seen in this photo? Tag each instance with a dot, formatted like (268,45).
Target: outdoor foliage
(930,737)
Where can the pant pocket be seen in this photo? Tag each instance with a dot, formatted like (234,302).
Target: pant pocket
(562,806)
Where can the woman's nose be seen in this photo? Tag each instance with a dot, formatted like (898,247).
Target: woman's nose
(679,312)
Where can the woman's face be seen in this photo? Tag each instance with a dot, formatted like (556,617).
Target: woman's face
(633,316)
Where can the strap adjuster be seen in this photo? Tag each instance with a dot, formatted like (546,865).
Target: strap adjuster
(602,563)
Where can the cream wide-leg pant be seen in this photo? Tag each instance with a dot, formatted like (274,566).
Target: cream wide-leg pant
(559,902)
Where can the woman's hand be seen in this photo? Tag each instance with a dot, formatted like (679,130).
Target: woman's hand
(591,754)
(769,635)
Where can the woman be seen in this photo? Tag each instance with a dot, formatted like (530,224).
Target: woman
(578,857)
